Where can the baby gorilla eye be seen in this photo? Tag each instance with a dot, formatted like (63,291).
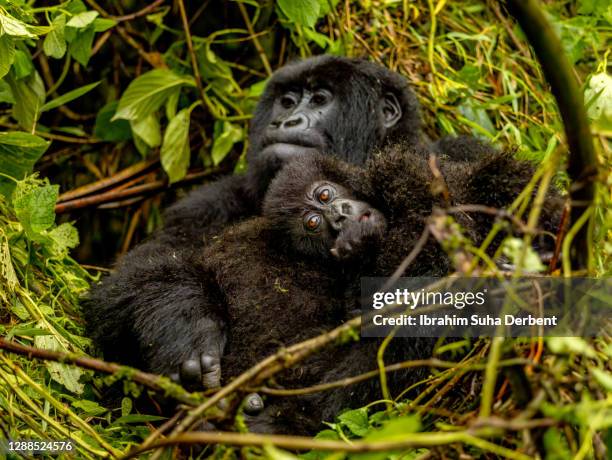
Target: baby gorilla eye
(319,98)
(312,222)
(325,195)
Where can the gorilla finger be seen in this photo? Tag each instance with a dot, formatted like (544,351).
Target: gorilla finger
(253,404)
(190,372)
(211,371)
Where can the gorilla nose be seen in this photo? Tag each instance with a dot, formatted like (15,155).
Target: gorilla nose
(295,121)
(340,211)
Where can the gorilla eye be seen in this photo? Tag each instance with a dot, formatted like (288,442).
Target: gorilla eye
(325,195)
(312,222)
(319,98)
(287,101)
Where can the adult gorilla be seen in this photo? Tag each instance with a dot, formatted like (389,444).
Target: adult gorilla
(333,105)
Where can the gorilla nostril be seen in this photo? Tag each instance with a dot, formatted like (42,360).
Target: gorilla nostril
(275,124)
(295,121)
(346,208)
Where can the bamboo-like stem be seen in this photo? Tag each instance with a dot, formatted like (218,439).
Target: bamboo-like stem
(582,167)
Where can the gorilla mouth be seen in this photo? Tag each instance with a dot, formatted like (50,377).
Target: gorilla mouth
(308,139)
(365,216)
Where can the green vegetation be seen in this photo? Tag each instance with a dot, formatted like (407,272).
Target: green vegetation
(139,98)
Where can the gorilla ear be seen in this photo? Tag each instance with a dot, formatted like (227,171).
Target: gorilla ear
(391,110)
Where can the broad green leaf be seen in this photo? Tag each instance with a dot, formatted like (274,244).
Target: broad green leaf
(18,153)
(66,375)
(226,135)
(148,92)
(82,20)
(29,94)
(321,40)
(302,12)
(22,64)
(7,54)
(356,421)
(148,130)
(111,131)
(172,104)
(81,45)
(598,100)
(35,207)
(90,407)
(103,24)
(14,27)
(69,96)
(55,42)
(7,271)
(6,94)
(175,152)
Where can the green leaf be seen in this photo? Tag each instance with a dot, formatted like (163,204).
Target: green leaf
(226,135)
(569,345)
(90,407)
(66,375)
(5,93)
(356,421)
(111,131)
(556,446)
(35,207)
(174,153)
(598,99)
(397,428)
(81,45)
(55,42)
(103,24)
(148,92)
(302,12)
(22,64)
(82,20)
(69,96)
(513,249)
(603,378)
(14,27)
(29,94)
(148,130)
(126,406)
(18,153)
(7,54)
(64,237)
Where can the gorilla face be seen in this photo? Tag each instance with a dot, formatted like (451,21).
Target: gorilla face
(334,106)
(322,218)
(299,117)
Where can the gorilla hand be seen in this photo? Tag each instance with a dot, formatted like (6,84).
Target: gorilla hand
(357,238)
(199,373)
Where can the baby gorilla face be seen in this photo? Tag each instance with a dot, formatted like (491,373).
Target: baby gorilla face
(332,221)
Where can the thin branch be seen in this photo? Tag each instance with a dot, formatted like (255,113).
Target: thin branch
(194,58)
(153,381)
(108,182)
(256,43)
(139,190)
(304,443)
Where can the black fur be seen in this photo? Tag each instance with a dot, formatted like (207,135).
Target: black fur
(160,279)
